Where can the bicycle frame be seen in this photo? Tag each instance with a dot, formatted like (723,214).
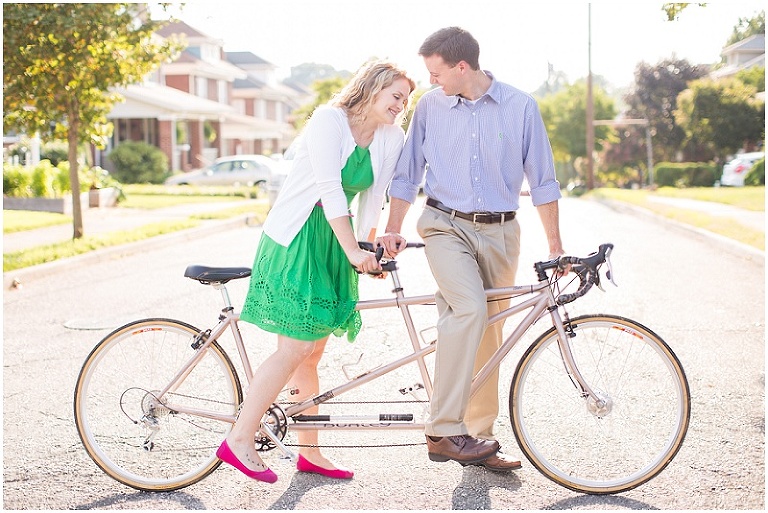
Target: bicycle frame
(542,300)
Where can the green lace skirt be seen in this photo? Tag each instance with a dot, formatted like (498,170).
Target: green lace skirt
(307,290)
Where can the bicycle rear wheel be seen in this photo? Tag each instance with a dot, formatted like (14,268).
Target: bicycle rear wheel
(589,447)
(127,429)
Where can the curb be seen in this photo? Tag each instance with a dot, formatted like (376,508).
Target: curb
(734,246)
(19,277)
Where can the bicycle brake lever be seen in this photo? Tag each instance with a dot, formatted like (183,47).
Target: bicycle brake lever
(609,272)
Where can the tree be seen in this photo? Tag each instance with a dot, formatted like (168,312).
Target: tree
(747,27)
(754,76)
(565,116)
(654,97)
(324,91)
(722,114)
(60,61)
(673,10)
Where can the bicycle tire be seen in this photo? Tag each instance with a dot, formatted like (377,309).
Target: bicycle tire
(115,389)
(601,452)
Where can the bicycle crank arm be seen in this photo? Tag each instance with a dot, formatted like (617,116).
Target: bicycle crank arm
(266,430)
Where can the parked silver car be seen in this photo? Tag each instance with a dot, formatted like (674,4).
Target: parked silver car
(250,170)
(735,170)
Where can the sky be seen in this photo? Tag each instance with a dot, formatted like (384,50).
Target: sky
(518,40)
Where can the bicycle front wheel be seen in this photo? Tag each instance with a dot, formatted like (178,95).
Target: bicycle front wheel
(124,423)
(619,441)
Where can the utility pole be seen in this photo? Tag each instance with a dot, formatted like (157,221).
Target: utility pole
(648,141)
(590,107)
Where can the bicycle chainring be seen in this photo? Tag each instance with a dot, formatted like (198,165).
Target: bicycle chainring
(277,421)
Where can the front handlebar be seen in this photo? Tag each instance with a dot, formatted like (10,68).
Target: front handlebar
(586,268)
(389,265)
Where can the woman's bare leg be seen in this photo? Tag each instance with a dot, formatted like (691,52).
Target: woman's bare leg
(268,380)
(306,380)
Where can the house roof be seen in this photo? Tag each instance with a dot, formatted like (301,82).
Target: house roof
(151,100)
(179,27)
(190,64)
(753,44)
(240,126)
(239,58)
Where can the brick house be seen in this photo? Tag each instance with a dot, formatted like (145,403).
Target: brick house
(206,104)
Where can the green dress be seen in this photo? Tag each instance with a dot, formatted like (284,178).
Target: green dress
(308,290)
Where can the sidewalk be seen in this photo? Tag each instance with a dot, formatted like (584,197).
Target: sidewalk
(105,220)
(749,218)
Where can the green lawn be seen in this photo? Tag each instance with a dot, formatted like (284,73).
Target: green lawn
(137,197)
(152,197)
(20,220)
(748,198)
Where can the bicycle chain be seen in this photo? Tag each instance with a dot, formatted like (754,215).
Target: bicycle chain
(360,446)
(329,403)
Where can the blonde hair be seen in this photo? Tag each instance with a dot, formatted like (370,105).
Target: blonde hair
(360,93)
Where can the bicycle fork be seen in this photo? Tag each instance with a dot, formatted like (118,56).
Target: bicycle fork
(598,404)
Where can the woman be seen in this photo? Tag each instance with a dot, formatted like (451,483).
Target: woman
(303,287)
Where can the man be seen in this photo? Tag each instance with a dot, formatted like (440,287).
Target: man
(476,139)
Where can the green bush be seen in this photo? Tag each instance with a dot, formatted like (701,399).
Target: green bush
(42,179)
(685,174)
(139,162)
(756,175)
(17,181)
(56,152)
(46,181)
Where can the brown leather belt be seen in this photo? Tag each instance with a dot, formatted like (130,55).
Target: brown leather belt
(475,217)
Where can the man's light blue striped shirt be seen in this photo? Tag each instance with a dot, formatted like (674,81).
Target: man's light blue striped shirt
(475,154)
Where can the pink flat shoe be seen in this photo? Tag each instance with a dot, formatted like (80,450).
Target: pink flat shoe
(303,465)
(225,454)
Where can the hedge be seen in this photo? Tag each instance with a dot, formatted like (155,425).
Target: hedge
(685,174)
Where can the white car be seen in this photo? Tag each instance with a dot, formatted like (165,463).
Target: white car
(735,170)
(250,170)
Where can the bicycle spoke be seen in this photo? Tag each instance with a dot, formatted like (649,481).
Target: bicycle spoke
(129,430)
(616,447)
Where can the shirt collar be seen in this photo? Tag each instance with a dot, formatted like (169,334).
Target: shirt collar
(492,92)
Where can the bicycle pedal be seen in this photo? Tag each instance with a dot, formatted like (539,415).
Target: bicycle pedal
(411,389)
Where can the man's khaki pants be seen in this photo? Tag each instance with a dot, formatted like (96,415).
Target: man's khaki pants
(466,258)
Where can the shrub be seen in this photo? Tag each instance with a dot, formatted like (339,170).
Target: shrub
(56,152)
(756,175)
(685,174)
(46,181)
(139,162)
(17,181)
(42,179)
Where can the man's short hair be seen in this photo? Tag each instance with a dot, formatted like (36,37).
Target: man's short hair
(453,44)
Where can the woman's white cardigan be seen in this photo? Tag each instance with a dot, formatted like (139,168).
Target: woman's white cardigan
(321,153)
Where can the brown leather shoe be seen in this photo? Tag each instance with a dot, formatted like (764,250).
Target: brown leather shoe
(499,463)
(461,448)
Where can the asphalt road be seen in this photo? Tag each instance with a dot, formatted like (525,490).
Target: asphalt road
(705,297)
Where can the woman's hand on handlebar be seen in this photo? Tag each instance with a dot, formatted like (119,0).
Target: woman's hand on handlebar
(364,261)
(393,243)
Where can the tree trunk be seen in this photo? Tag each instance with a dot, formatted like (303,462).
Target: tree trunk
(74,179)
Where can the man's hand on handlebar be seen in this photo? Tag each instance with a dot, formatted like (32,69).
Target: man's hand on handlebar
(393,243)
